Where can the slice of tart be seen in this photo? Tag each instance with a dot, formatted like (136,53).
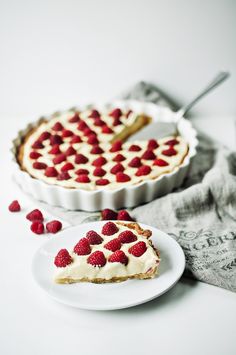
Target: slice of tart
(117,252)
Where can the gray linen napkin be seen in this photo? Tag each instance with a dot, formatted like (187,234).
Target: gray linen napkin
(201,215)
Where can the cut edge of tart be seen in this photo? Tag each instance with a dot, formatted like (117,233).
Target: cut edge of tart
(125,252)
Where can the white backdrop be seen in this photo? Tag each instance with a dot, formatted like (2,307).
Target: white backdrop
(58,53)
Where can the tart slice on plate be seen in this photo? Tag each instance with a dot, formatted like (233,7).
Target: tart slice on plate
(118,252)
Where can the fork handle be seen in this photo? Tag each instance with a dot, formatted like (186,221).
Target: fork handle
(220,78)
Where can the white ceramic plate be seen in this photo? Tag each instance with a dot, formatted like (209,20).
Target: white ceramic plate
(107,296)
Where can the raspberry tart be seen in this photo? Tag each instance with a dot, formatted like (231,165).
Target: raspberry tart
(118,252)
(88,150)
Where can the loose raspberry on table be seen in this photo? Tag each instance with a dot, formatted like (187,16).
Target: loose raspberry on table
(116,146)
(143,170)
(14,206)
(37,145)
(121,177)
(83,179)
(57,126)
(113,245)
(35,215)
(92,139)
(50,171)
(116,168)
(160,162)
(75,139)
(67,133)
(75,118)
(138,249)
(97,259)
(106,130)
(34,155)
(107,214)
(70,151)
(116,113)
(64,175)
(134,148)
(37,227)
(82,247)
(172,142)
(44,136)
(99,161)
(94,114)
(99,172)
(39,166)
(152,144)
(67,166)
(94,238)
(82,172)
(102,182)
(58,159)
(109,228)
(55,149)
(148,155)
(63,258)
(123,215)
(118,257)
(135,162)
(119,158)
(80,159)
(55,139)
(96,150)
(127,237)
(169,152)
(54,226)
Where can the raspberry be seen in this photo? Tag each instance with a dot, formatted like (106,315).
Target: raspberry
(70,151)
(67,133)
(123,215)
(96,150)
(116,113)
(99,161)
(160,162)
(121,177)
(113,245)
(57,126)
(118,257)
(107,214)
(75,139)
(117,122)
(148,155)
(135,162)
(106,130)
(83,179)
(39,166)
(98,122)
(138,249)
(94,238)
(119,157)
(37,227)
(64,175)
(99,172)
(169,152)
(134,148)
(82,247)
(82,125)
(152,144)
(67,166)
(14,206)
(128,113)
(59,158)
(51,171)
(75,118)
(34,155)
(63,258)
(102,182)
(117,168)
(55,139)
(116,146)
(172,142)
(82,172)
(127,237)
(94,114)
(92,139)
(97,259)
(44,135)
(55,149)
(143,170)
(37,145)
(89,132)
(109,228)
(35,215)
(54,226)
(81,159)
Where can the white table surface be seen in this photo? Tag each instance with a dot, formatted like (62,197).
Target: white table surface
(192,318)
